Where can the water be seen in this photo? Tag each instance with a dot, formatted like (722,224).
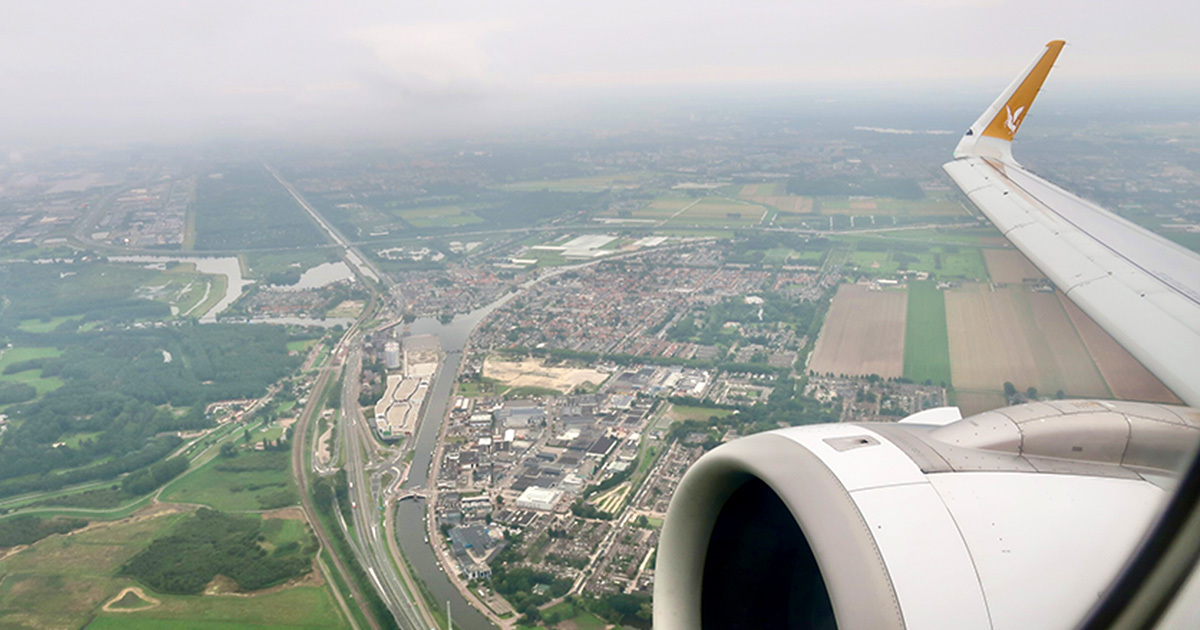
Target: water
(321,275)
(410,515)
(227,266)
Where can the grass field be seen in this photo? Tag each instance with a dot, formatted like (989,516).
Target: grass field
(301,345)
(863,333)
(64,581)
(888,206)
(301,607)
(437,216)
(40,326)
(30,377)
(926,346)
(261,264)
(719,211)
(961,263)
(678,413)
(238,491)
(592,183)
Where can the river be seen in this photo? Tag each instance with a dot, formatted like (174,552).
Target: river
(410,515)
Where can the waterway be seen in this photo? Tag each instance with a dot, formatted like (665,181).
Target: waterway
(410,515)
(227,266)
(321,275)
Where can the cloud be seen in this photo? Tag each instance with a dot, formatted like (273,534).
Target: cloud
(434,58)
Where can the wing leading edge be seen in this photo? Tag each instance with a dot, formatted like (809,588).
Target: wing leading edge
(1141,288)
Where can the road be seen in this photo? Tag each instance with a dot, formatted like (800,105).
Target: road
(361,263)
(299,442)
(366,464)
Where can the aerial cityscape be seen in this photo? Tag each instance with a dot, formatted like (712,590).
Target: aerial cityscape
(464,379)
(422,317)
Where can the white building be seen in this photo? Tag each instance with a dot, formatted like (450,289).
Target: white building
(535,498)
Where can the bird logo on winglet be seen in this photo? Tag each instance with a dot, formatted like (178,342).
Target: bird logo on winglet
(1012,119)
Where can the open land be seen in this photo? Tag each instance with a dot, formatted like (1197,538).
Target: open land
(1126,377)
(926,348)
(72,581)
(533,373)
(863,333)
(251,481)
(1010,266)
(1018,336)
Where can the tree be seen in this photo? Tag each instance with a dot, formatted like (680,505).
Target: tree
(1060,394)
(228,450)
(1009,389)
(1031,393)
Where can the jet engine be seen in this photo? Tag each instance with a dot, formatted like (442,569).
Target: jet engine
(1014,518)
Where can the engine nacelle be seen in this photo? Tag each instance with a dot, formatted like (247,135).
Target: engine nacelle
(1015,518)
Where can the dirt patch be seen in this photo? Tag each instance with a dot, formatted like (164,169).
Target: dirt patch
(1125,376)
(1015,335)
(1010,266)
(533,373)
(131,599)
(293,513)
(863,333)
(221,586)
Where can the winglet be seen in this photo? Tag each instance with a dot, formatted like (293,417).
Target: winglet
(991,136)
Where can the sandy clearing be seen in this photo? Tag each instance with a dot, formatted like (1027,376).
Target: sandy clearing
(150,601)
(863,333)
(1010,266)
(1125,376)
(532,373)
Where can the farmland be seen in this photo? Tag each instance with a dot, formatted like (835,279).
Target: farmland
(246,208)
(1014,335)
(863,333)
(719,211)
(926,349)
(1010,266)
(1125,376)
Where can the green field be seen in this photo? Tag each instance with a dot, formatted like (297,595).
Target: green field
(301,607)
(45,326)
(265,482)
(63,582)
(926,344)
(262,264)
(940,261)
(30,377)
(244,207)
(437,216)
(301,345)
(591,183)
(682,412)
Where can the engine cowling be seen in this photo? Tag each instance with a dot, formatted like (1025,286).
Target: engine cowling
(1015,518)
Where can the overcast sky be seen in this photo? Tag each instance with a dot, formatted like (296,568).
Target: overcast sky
(107,70)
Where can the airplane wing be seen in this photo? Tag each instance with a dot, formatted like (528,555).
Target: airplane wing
(1019,517)
(1143,289)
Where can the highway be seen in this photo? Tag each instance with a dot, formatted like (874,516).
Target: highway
(365,465)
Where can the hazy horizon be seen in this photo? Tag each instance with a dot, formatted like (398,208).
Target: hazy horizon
(136,71)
